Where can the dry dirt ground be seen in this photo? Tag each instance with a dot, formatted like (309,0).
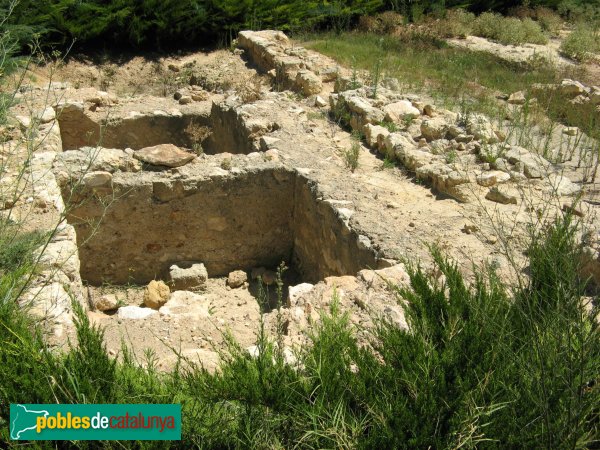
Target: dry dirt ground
(398,214)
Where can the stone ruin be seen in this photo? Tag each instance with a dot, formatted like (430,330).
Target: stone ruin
(141,206)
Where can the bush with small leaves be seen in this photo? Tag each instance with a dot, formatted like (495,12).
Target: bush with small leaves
(351,156)
(582,43)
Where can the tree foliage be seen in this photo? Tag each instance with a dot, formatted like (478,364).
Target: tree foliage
(177,23)
(159,23)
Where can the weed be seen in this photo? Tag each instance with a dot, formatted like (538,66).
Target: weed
(383,23)
(580,12)
(312,115)
(16,247)
(351,156)
(549,20)
(453,76)
(490,153)
(249,89)
(407,121)
(375,78)
(197,134)
(226,164)
(341,115)
(388,163)
(354,83)
(167,79)
(390,126)
(294,96)
(358,135)
(108,72)
(451,157)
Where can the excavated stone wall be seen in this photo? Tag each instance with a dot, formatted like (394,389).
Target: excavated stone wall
(237,129)
(226,223)
(324,244)
(135,131)
(253,219)
(231,130)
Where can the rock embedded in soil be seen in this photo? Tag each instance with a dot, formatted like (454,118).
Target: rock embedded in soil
(395,275)
(188,305)
(97,179)
(47,115)
(156,294)
(517,98)
(296,292)
(320,102)
(434,128)
(500,196)
(481,128)
(237,279)
(397,112)
(167,155)
(562,186)
(106,302)
(308,82)
(571,88)
(135,312)
(492,178)
(191,278)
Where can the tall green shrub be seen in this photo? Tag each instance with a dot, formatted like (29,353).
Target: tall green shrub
(156,23)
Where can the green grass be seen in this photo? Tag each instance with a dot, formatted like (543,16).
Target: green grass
(461,80)
(425,64)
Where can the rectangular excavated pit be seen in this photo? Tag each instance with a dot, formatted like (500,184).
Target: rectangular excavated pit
(78,129)
(219,131)
(252,219)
